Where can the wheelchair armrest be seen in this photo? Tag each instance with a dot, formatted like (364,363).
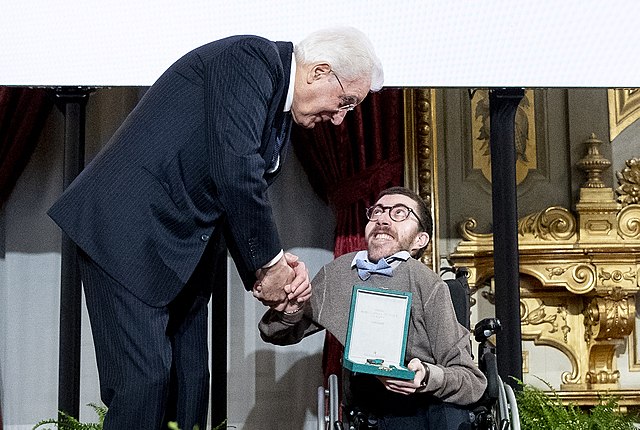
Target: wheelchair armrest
(486,351)
(489,366)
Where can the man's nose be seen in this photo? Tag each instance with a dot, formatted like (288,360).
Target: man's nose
(384,218)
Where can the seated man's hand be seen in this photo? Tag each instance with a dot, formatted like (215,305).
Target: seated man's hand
(404,386)
(299,291)
(288,307)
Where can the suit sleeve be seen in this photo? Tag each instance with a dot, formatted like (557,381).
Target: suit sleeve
(282,329)
(241,90)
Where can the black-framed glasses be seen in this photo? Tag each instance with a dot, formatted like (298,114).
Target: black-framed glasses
(347,103)
(397,213)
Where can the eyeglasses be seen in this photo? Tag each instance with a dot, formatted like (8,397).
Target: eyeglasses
(397,213)
(347,103)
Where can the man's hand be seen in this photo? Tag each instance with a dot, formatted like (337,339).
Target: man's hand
(272,282)
(298,291)
(403,386)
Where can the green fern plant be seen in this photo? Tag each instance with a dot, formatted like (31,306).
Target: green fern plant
(174,426)
(67,422)
(541,411)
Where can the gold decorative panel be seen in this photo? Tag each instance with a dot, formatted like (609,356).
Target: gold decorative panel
(579,276)
(624,109)
(525,134)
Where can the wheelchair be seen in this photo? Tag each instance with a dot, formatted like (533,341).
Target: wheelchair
(498,407)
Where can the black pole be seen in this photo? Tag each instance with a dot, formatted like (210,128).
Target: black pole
(503,104)
(72,102)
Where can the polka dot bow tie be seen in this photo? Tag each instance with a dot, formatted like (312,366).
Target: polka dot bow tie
(366,268)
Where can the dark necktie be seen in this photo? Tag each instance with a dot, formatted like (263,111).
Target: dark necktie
(366,268)
(282,137)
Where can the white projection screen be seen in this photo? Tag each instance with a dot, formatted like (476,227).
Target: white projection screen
(433,43)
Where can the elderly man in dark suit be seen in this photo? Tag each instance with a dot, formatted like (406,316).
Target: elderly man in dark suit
(192,162)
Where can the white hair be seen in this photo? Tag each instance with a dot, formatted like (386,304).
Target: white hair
(348,50)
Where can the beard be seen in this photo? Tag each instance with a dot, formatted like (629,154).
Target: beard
(376,252)
(382,247)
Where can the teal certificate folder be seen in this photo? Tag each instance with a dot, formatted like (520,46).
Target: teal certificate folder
(377,332)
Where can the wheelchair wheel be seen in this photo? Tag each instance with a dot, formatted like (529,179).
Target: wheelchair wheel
(334,402)
(513,407)
(322,416)
(505,410)
(329,419)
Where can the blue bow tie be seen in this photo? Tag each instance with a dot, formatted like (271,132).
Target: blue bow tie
(366,268)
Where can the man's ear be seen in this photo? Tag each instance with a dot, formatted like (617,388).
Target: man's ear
(318,71)
(421,240)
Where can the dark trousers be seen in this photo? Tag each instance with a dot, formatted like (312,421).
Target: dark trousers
(435,416)
(152,361)
(385,410)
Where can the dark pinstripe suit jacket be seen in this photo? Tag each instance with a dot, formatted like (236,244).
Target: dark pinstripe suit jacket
(191,155)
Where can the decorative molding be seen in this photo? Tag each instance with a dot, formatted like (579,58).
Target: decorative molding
(593,163)
(421,158)
(629,183)
(624,109)
(629,222)
(634,356)
(554,223)
(467,231)
(539,316)
(526,140)
(627,399)
(584,269)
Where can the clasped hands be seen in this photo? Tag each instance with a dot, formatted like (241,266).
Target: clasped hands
(284,286)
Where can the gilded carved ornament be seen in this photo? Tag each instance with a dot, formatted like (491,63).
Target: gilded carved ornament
(585,269)
(629,183)
(554,223)
(624,109)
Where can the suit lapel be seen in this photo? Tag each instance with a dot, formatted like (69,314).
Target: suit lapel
(282,119)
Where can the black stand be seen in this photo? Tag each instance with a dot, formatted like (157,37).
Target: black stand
(72,102)
(503,104)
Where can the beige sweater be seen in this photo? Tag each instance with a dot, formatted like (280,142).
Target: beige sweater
(434,336)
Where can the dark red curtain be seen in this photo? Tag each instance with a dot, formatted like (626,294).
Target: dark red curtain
(347,166)
(23,112)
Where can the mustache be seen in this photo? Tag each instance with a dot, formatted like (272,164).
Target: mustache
(384,230)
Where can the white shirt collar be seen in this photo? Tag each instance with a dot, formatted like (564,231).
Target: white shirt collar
(292,80)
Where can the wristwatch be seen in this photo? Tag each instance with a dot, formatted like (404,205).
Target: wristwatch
(424,381)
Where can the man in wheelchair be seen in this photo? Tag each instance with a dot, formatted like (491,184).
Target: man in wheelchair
(438,347)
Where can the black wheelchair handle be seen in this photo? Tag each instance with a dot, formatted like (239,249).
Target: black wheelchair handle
(486,328)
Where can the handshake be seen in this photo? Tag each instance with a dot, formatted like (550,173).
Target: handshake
(285,286)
